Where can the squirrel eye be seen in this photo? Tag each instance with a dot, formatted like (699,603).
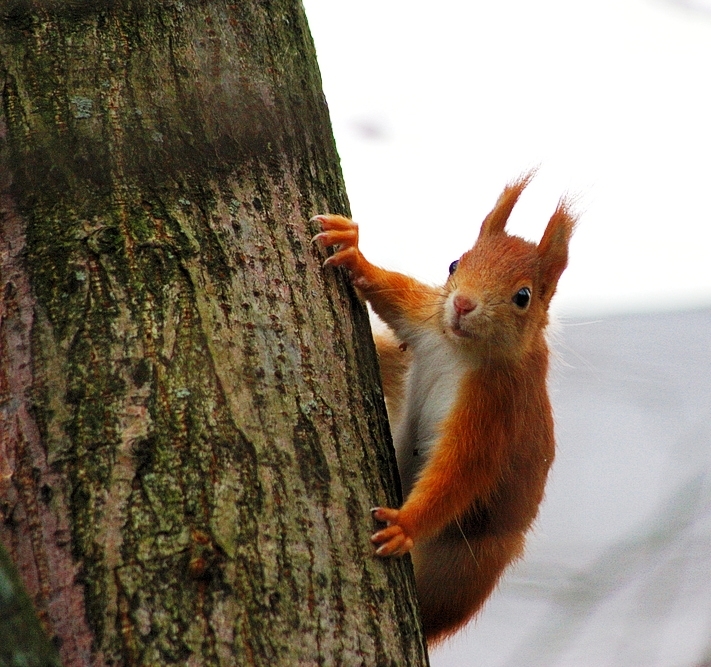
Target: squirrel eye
(522,297)
(453,266)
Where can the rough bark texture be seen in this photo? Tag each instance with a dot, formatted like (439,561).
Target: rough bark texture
(192,431)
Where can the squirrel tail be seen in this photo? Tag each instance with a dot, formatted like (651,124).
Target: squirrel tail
(455,577)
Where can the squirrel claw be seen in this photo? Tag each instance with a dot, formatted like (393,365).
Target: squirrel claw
(342,234)
(392,540)
(347,257)
(385,514)
(395,543)
(330,221)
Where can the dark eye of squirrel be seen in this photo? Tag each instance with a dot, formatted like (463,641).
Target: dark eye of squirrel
(453,266)
(522,297)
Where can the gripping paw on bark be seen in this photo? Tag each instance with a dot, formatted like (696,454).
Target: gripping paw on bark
(342,233)
(393,540)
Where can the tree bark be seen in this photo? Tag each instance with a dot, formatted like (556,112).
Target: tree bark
(192,426)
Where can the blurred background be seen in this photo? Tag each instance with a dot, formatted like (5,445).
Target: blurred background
(434,108)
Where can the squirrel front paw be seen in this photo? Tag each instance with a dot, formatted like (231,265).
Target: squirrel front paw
(343,233)
(393,540)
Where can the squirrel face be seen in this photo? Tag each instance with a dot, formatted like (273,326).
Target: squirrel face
(494,304)
(498,293)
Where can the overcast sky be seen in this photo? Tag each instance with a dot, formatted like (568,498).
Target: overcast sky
(436,106)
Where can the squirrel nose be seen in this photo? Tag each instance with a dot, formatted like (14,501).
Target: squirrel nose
(463,305)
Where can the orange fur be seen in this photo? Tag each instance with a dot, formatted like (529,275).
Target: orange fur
(475,434)
(394,359)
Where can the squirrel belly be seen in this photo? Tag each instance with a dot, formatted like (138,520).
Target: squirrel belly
(431,383)
(464,373)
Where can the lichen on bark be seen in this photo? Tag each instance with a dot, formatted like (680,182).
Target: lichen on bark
(195,433)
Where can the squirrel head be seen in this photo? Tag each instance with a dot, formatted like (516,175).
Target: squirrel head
(498,292)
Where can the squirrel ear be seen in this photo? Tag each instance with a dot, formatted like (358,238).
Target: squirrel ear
(553,248)
(495,222)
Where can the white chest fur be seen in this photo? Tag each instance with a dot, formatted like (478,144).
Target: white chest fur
(432,384)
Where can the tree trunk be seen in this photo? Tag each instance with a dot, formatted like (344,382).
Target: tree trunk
(192,426)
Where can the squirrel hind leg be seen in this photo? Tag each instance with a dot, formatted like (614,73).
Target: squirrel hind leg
(454,578)
(394,360)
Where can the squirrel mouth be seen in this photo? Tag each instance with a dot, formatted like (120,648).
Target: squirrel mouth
(459,332)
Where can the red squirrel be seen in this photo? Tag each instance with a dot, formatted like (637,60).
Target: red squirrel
(474,429)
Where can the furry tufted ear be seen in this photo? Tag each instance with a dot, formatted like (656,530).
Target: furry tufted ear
(553,248)
(495,222)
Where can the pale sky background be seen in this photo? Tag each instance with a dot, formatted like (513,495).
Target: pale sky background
(435,106)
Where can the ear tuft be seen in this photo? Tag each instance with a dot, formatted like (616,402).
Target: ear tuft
(495,222)
(553,248)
